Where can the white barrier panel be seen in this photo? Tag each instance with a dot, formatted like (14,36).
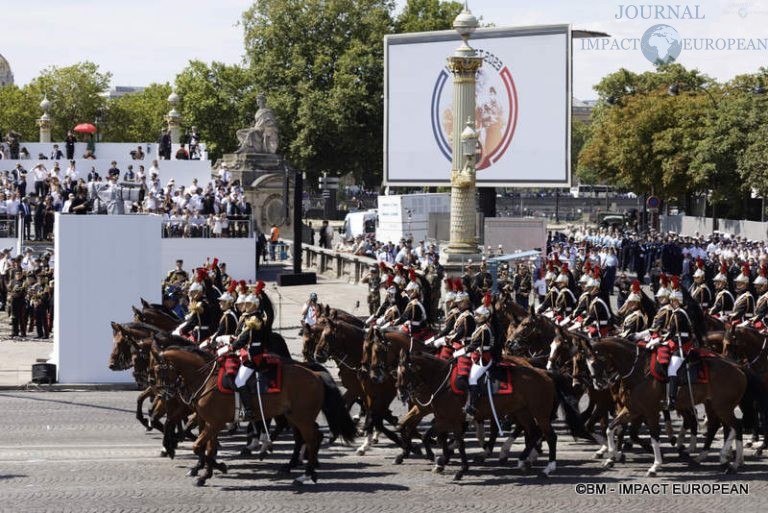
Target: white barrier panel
(103,150)
(103,265)
(182,171)
(238,254)
(10,243)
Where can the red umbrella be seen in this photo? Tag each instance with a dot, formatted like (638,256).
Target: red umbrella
(85,127)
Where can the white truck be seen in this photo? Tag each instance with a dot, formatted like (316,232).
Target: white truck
(359,223)
(407,215)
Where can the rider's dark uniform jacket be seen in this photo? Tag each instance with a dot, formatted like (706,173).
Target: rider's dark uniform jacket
(200,319)
(450,321)
(549,300)
(482,282)
(414,312)
(252,338)
(723,303)
(565,302)
(633,323)
(390,312)
(582,306)
(483,340)
(598,312)
(679,329)
(661,319)
(701,294)
(227,324)
(744,306)
(464,327)
(761,308)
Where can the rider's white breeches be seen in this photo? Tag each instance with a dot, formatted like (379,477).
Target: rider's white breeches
(476,372)
(243,373)
(674,364)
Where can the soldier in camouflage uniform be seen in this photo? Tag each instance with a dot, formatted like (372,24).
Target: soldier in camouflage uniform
(17,301)
(435,274)
(37,292)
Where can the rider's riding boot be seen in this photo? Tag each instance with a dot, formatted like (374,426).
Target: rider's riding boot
(246,401)
(672,386)
(474,394)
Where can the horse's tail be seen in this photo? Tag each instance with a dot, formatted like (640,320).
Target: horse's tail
(339,421)
(569,400)
(754,401)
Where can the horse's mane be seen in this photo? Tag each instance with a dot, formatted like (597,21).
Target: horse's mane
(193,349)
(137,325)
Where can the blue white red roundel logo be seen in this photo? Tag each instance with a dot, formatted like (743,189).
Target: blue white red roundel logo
(495,110)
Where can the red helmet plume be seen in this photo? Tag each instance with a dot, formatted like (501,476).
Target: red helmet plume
(675,282)
(449,285)
(390,280)
(201,274)
(587,266)
(663,281)
(487,300)
(700,263)
(745,270)
(214,264)
(564,268)
(724,268)
(232,286)
(458,286)
(259,287)
(636,286)
(596,272)
(412,274)
(383,266)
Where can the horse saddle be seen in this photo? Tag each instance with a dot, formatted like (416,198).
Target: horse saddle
(500,376)
(269,377)
(694,365)
(228,367)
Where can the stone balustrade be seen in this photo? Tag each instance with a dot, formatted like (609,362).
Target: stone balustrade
(337,264)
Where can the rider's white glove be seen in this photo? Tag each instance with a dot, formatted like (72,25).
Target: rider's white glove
(205,344)
(177,331)
(223,350)
(370,319)
(460,352)
(386,325)
(653,343)
(440,342)
(223,339)
(429,341)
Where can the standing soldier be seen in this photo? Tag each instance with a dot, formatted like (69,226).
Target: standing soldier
(435,274)
(373,279)
(468,280)
(38,300)
(483,281)
(699,290)
(177,275)
(18,302)
(522,285)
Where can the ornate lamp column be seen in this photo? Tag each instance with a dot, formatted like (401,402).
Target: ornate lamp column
(463,64)
(45,121)
(173,118)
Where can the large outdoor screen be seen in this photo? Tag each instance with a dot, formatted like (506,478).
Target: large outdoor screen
(522,113)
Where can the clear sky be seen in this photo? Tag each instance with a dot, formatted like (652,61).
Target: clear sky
(142,41)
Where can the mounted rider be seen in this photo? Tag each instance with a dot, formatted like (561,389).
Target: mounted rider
(723,304)
(635,321)
(483,349)
(250,342)
(463,327)
(389,311)
(700,291)
(552,292)
(373,279)
(228,324)
(483,281)
(414,318)
(452,313)
(761,306)
(565,301)
(678,338)
(199,323)
(598,320)
(744,306)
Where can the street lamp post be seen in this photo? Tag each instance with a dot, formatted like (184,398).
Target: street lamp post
(464,65)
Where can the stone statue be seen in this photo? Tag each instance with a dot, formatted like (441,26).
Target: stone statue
(263,137)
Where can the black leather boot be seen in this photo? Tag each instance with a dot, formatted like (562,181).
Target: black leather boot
(672,389)
(474,394)
(247,401)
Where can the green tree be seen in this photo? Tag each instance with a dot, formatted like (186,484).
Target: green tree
(137,116)
(426,15)
(218,99)
(75,93)
(320,62)
(19,112)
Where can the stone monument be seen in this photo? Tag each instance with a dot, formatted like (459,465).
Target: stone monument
(45,121)
(265,175)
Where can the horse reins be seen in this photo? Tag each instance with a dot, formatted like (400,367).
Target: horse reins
(434,394)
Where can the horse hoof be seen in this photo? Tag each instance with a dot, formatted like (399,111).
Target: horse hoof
(650,473)
(627,446)
(597,455)
(480,458)
(608,463)
(438,469)
(171,453)
(360,452)
(503,459)
(748,444)
(200,482)
(163,453)
(245,452)
(673,441)
(458,475)
(399,459)
(222,467)
(192,472)
(730,468)
(623,458)
(543,475)
(683,454)
(759,452)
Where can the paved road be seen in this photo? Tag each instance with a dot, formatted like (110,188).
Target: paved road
(83,451)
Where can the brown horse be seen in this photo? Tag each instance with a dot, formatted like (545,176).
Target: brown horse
(156,317)
(424,378)
(303,395)
(532,336)
(509,312)
(344,343)
(614,360)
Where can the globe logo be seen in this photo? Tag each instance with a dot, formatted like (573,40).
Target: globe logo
(661,44)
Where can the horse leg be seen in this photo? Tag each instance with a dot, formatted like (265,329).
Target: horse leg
(551,438)
(295,460)
(197,448)
(713,425)
(507,445)
(140,407)
(655,432)
(442,461)
(368,430)
(311,435)
(523,463)
(463,455)
(407,427)
(488,447)
(426,439)
(622,416)
(669,429)
(736,434)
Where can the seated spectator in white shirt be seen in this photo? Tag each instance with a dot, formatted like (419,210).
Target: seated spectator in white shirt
(67,204)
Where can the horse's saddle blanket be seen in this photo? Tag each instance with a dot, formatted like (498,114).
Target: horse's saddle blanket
(269,375)
(695,365)
(500,376)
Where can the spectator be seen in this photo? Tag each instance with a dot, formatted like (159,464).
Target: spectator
(71,171)
(138,154)
(165,145)
(23,154)
(182,154)
(224,175)
(261,249)
(274,238)
(56,154)
(67,204)
(69,145)
(40,173)
(113,171)
(129,175)
(93,176)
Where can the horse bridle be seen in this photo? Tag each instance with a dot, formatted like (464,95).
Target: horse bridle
(409,388)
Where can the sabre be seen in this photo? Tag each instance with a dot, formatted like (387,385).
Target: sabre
(279,307)
(688,372)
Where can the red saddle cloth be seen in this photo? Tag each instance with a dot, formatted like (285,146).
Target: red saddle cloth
(660,358)
(271,368)
(500,375)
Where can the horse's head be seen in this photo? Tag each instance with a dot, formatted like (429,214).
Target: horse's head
(376,351)
(310,335)
(165,377)
(326,342)
(120,358)
(730,341)
(407,372)
(523,334)
(138,315)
